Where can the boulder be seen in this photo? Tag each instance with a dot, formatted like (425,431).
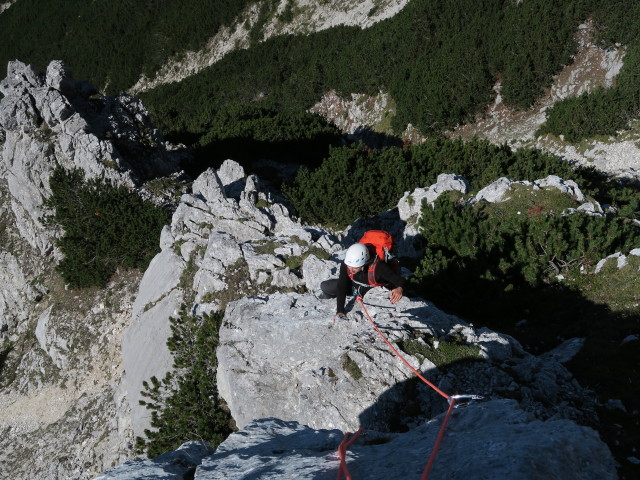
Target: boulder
(179,464)
(410,205)
(326,374)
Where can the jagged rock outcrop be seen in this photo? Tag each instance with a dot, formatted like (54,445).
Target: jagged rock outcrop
(50,120)
(227,239)
(410,205)
(282,355)
(63,416)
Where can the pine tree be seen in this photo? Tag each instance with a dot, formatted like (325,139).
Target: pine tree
(185,404)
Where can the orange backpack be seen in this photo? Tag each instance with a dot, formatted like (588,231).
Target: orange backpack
(380,245)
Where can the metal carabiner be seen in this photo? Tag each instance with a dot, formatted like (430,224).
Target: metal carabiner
(466,399)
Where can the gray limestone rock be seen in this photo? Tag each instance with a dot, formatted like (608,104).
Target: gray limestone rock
(177,465)
(16,295)
(208,186)
(52,120)
(482,441)
(339,374)
(498,190)
(591,208)
(232,175)
(410,205)
(566,186)
(315,271)
(619,257)
(566,350)
(495,192)
(211,240)
(55,345)
(144,350)
(145,354)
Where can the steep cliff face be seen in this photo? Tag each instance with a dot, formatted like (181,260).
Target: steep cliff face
(50,120)
(61,367)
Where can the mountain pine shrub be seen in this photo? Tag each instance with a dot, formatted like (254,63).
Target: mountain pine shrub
(353,182)
(111,44)
(605,111)
(185,404)
(528,249)
(105,227)
(470,45)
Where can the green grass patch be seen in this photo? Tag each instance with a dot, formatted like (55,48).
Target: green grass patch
(238,285)
(268,247)
(619,289)
(524,200)
(440,352)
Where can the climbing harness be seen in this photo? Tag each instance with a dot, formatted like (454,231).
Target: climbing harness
(454,401)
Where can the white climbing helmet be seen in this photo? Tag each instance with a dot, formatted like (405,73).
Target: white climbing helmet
(357,255)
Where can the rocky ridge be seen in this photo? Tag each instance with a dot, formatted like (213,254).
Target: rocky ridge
(63,369)
(230,239)
(284,347)
(52,119)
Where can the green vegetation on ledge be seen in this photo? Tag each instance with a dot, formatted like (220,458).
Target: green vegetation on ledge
(354,182)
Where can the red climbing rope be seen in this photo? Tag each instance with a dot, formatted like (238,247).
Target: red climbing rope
(436,446)
(346,442)
(342,453)
(359,300)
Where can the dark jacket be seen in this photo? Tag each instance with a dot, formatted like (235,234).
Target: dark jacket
(384,274)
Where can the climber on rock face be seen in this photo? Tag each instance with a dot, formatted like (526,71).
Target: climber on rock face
(360,271)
